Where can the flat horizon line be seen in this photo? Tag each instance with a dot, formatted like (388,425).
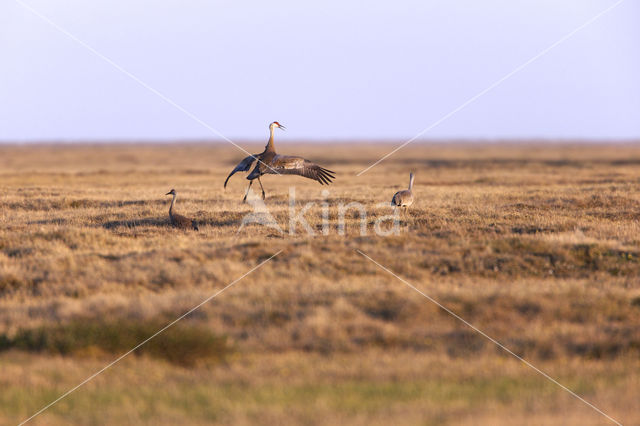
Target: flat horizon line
(337,141)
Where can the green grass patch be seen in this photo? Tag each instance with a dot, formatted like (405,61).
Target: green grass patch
(183,344)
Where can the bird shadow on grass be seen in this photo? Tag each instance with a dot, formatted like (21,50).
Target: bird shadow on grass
(217,223)
(221,220)
(160,222)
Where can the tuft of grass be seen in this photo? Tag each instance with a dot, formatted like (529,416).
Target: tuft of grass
(180,344)
(10,283)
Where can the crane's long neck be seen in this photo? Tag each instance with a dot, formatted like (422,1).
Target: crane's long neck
(270,146)
(173,201)
(410,181)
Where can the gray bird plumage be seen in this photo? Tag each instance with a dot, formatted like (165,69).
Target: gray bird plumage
(404,198)
(178,220)
(268,162)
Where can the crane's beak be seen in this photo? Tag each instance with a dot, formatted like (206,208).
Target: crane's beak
(282,127)
(168,193)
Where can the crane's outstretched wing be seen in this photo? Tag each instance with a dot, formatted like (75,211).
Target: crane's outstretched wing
(287,165)
(242,166)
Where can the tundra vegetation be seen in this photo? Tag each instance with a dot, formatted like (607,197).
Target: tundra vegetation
(538,245)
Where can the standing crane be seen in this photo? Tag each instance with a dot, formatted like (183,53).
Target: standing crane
(404,198)
(268,162)
(178,220)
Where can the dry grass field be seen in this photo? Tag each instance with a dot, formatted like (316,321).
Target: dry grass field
(536,245)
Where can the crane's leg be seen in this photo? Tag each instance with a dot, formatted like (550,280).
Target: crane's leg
(244,200)
(260,182)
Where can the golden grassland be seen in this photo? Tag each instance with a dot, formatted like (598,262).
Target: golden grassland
(537,245)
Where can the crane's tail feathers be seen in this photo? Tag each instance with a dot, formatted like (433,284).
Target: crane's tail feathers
(242,166)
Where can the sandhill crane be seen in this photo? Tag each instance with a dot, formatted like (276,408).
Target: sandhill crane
(177,220)
(404,198)
(270,162)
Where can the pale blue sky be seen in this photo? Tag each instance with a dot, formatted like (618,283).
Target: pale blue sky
(332,69)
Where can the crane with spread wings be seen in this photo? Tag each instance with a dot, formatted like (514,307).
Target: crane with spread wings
(269,162)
